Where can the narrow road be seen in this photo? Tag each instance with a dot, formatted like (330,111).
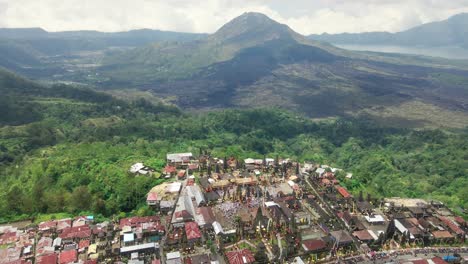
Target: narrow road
(278,236)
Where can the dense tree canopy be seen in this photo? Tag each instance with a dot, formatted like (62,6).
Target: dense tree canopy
(71,153)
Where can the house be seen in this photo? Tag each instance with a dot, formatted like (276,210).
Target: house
(128,239)
(152,199)
(242,256)
(442,235)
(452,226)
(320,171)
(47,259)
(192,232)
(83,245)
(364,236)
(181,175)
(375,219)
(68,256)
(140,168)
(179,159)
(49,226)
(75,233)
(64,223)
(314,246)
(402,229)
(169,170)
(343,192)
(83,220)
(173,258)
(184,211)
(218,229)
(198,259)
(341,238)
(204,217)
(196,195)
(44,246)
(147,248)
(248,215)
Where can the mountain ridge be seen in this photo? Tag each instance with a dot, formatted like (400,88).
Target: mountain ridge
(255,61)
(452,31)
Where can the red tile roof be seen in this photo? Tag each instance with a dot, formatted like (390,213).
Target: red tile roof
(181,173)
(63,223)
(170,169)
(83,244)
(314,245)
(454,227)
(76,232)
(420,261)
(325,181)
(193,166)
(343,192)
(47,225)
(47,259)
(192,231)
(138,221)
(9,237)
(238,256)
(68,256)
(152,196)
(460,220)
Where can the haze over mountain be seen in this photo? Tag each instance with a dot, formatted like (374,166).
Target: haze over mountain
(449,33)
(254,61)
(36,52)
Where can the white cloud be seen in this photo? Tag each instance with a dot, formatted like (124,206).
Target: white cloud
(304,16)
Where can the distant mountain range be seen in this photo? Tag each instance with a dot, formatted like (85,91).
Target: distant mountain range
(450,32)
(253,61)
(24,48)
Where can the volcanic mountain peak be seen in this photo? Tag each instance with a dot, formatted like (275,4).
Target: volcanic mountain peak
(253,25)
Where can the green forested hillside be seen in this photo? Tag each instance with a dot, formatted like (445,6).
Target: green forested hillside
(74,154)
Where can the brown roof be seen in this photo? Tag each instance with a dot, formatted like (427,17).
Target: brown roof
(314,245)
(454,227)
(248,214)
(442,234)
(207,214)
(363,235)
(76,232)
(342,237)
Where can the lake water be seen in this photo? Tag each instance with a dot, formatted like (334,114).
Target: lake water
(443,52)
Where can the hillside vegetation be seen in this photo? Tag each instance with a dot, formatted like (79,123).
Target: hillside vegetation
(71,149)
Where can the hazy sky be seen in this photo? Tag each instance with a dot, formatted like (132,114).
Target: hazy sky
(304,16)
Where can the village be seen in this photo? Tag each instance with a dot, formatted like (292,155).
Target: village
(268,210)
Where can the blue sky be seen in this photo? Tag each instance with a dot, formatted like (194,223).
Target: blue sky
(304,16)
